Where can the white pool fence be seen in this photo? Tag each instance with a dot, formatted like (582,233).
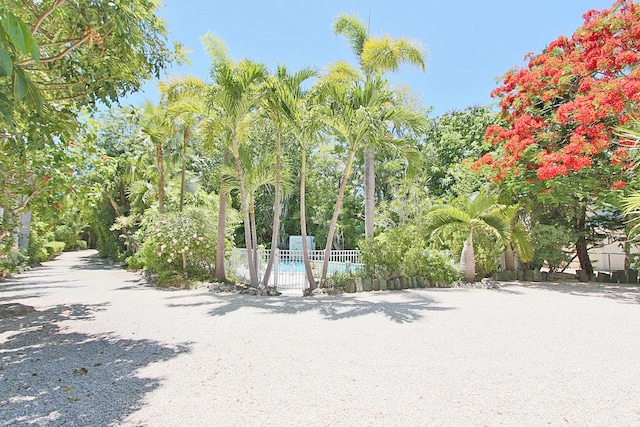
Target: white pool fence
(288,266)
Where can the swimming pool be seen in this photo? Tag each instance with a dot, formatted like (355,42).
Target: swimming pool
(334,267)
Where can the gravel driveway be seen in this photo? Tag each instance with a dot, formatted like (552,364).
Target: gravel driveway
(104,348)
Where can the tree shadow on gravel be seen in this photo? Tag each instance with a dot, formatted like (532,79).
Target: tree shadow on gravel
(54,378)
(619,292)
(412,307)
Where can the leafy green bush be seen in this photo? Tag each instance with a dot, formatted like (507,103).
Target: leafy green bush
(382,257)
(178,246)
(10,256)
(39,235)
(402,251)
(488,254)
(54,248)
(550,243)
(339,278)
(432,264)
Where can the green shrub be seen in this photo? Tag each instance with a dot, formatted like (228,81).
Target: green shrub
(550,243)
(488,254)
(382,257)
(432,264)
(10,257)
(39,235)
(178,245)
(54,248)
(402,251)
(339,278)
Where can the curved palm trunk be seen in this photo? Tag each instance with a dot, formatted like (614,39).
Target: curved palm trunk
(468,261)
(369,191)
(160,165)
(222,230)
(303,222)
(253,276)
(334,219)
(276,215)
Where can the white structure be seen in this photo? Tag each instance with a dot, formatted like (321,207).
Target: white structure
(295,243)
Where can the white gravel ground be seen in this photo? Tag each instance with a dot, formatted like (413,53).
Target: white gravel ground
(106,349)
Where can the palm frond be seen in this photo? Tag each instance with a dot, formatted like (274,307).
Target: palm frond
(354,29)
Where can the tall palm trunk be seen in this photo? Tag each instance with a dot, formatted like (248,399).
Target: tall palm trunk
(160,165)
(186,136)
(334,219)
(254,235)
(468,261)
(303,222)
(222,230)
(369,191)
(276,213)
(253,276)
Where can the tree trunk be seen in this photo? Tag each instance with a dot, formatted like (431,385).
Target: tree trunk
(582,249)
(160,165)
(468,261)
(276,215)
(254,235)
(303,222)
(253,276)
(184,165)
(509,259)
(369,191)
(222,234)
(334,219)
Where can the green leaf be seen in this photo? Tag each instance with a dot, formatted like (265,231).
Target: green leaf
(23,87)
(6,63)
(18,34)
(5,107)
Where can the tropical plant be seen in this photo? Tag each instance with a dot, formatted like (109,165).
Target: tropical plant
(479,212)
(355,113)
(236,100)
(376,56)
(280,94)
(561,111)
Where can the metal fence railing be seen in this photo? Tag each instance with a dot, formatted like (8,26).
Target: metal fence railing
(288,268)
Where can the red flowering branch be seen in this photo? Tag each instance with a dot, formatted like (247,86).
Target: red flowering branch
(562,107)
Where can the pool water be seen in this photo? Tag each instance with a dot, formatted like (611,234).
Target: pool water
(334,267)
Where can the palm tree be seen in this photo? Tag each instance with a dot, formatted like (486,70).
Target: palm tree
(235,97)
(355,113)
(184,99)
(479,212)
(304,125)
(376,56)
(274,99)
(258,172)
(156,130)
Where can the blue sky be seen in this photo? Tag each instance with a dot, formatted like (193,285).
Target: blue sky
(470,43)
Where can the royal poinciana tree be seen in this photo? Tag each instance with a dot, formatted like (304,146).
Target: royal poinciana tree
(558,145)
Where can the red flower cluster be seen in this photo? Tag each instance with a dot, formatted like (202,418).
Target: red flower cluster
(564,104)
